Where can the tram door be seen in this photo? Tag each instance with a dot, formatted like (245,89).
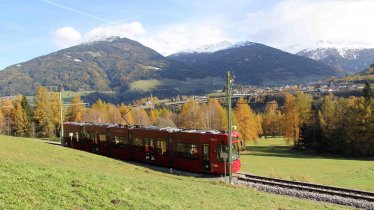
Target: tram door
(149,149)
(206,160)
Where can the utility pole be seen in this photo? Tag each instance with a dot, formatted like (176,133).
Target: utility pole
(229,93)
(61,121)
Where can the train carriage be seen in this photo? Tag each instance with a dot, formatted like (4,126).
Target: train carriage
(151,144)
(191,150)
(72,135)
(96,138)
(119,142)
(200,151)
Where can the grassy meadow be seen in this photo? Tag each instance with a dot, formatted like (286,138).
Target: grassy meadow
(38,175)
(273,157)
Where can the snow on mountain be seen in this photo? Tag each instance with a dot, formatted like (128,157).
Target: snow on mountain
(347,56)
(240,44)
(211,48)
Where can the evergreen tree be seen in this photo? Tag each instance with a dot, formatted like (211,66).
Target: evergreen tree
(368,92)
(360,131)
(29,113)
(26,108)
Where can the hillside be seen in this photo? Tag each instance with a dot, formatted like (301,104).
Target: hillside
(37,175)
(361,77)
(112,64)
(352,60)
(257,64)
(368,71)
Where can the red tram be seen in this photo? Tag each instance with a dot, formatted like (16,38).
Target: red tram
(191,150)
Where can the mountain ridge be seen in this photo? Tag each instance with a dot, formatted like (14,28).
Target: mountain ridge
(257,64)
(349,59)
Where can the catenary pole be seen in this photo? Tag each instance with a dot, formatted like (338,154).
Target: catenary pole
(229,92)
(61,121)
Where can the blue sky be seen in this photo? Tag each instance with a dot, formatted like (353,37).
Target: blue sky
(30,28)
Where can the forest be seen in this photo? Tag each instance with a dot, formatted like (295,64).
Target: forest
(327,124)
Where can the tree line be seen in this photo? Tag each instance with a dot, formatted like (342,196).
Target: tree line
(327,124)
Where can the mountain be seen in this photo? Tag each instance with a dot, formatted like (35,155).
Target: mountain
(257,64)
(112,64)
(368,71)
(349,59)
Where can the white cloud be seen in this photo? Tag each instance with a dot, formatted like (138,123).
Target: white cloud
(305,22)
(128,30)
(166,40)
(66,37)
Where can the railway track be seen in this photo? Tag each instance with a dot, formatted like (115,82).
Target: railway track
(356,198)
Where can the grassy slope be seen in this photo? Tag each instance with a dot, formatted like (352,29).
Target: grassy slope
(272,157)
(36,175)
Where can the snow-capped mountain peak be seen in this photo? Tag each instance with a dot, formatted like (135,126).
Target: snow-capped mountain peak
(210,48)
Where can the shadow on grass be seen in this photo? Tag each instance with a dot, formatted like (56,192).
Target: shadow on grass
(290,152)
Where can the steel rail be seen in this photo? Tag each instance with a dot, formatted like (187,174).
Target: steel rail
(304,186)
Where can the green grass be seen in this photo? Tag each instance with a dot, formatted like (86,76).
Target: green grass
(37,175)
(148,85)
(68,95)
(273,157)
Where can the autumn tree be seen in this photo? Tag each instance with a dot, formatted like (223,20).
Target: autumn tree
(140,117)
(191,115)
(259,122)
(114,115)
(272,122)
(214,116)
(56,109)
(165,118)
(1,121)
(20,123)
(153,115)
(76,109)
(291,120)
(100,111)
(43,114)
(246,120)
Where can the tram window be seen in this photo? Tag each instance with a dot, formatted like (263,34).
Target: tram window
(102,137)
(138,144)
(120,141)
(187,150)
(89,135)
(225,148)
(161,146)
